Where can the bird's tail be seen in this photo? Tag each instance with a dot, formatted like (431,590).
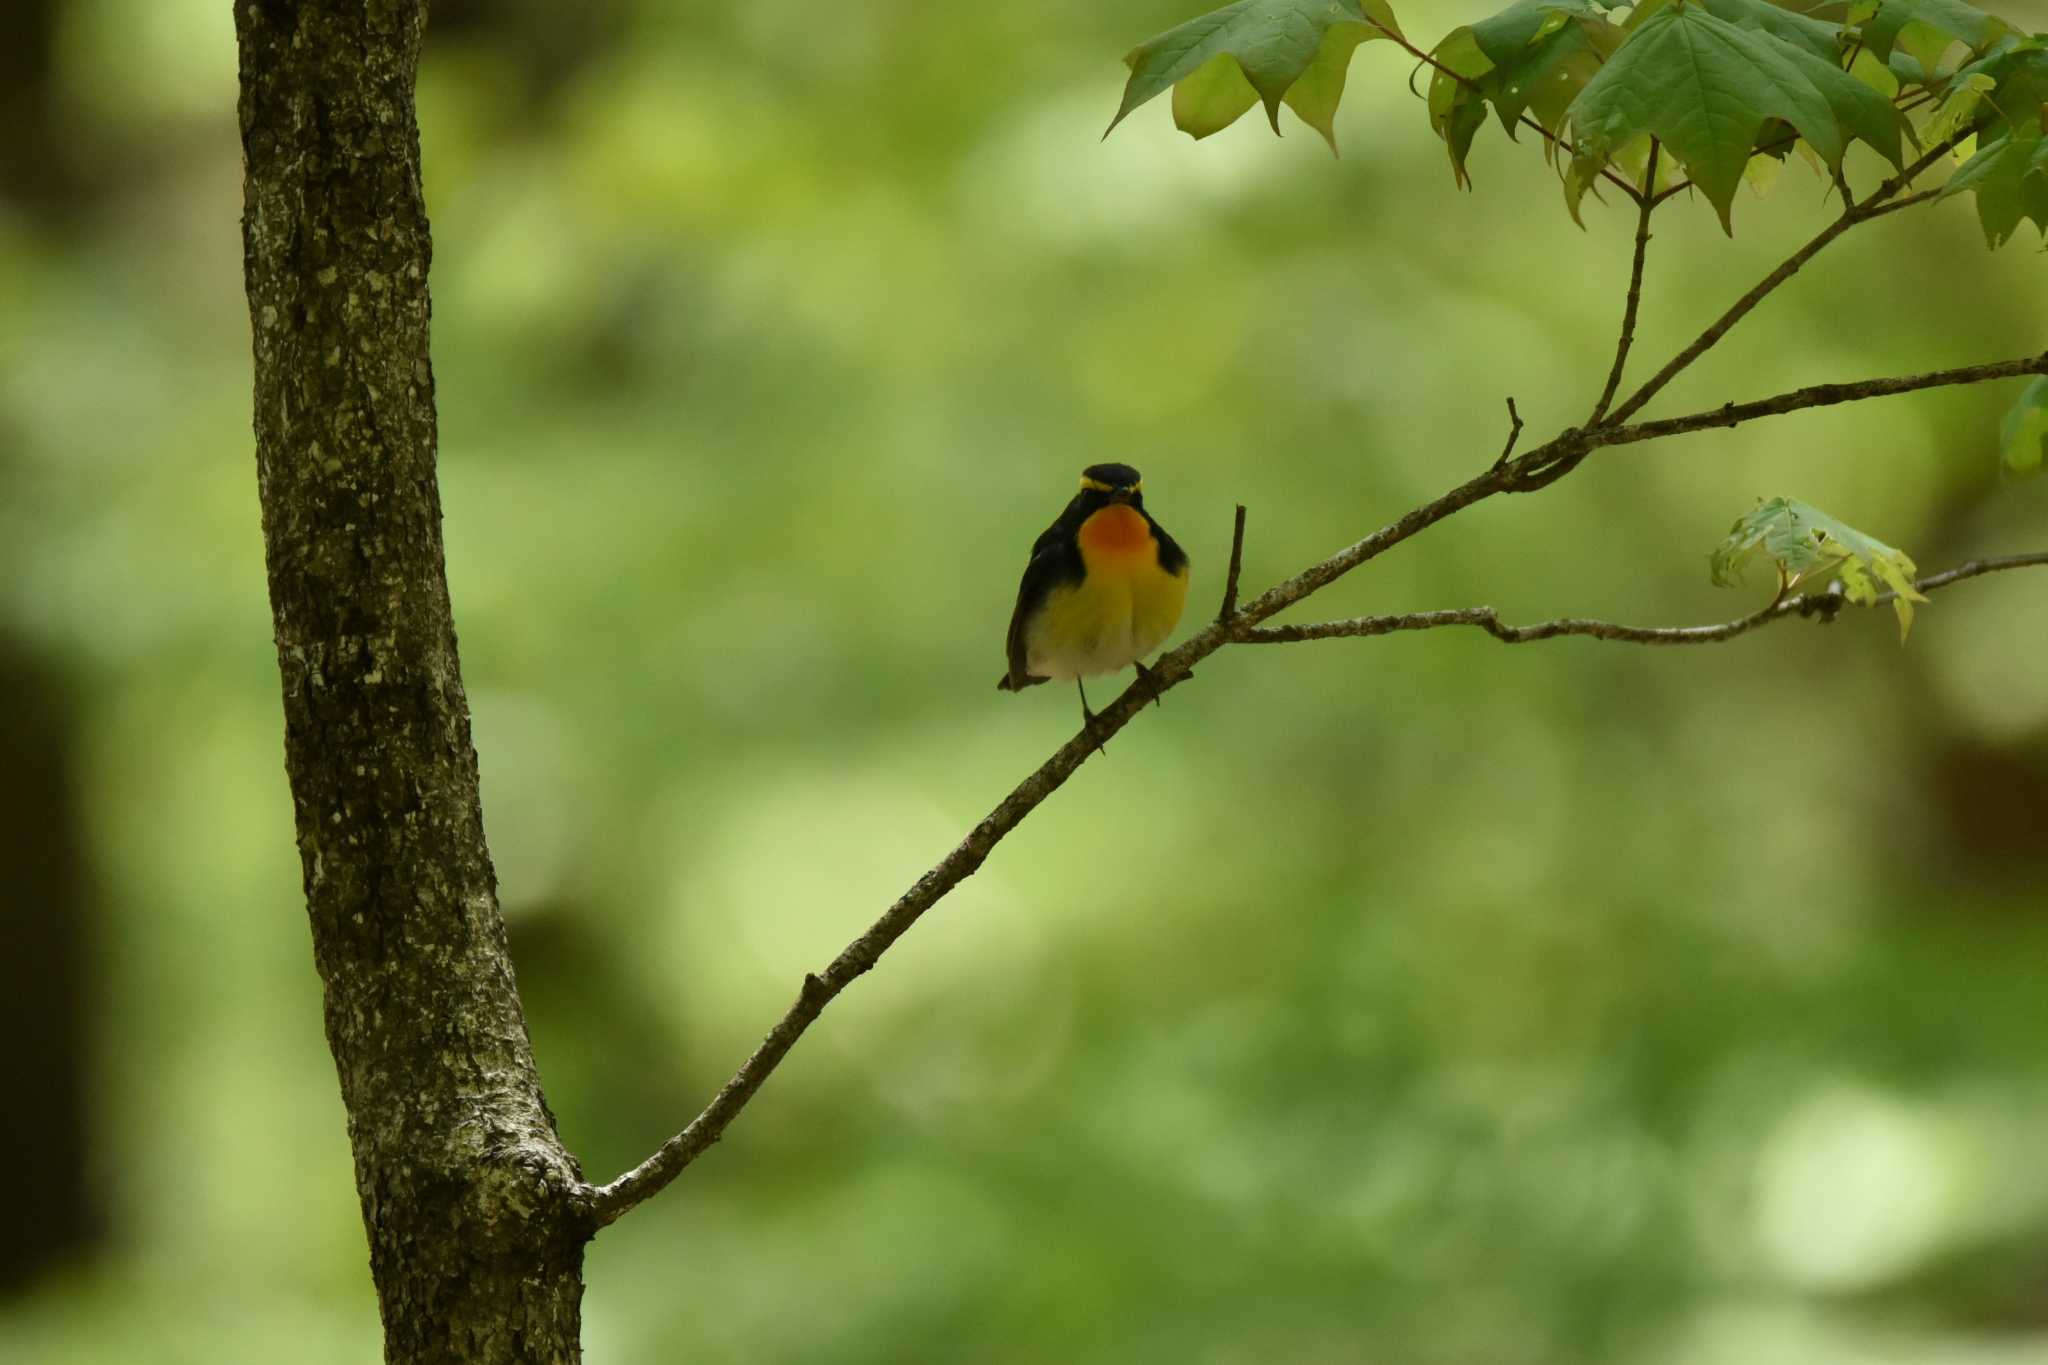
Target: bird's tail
(1015,682)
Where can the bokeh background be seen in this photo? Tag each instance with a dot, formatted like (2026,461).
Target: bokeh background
(1410,1000)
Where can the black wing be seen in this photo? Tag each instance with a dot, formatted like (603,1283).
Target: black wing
(1055,561)
(1172,558)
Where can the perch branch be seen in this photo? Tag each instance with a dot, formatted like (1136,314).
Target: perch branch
(1533,469)
(610,1202)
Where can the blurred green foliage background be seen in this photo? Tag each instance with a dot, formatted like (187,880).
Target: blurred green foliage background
(1409,1000)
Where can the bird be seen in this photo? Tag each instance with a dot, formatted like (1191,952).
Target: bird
(1104,586)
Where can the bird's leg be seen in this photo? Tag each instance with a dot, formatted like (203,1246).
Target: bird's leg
(1088,719)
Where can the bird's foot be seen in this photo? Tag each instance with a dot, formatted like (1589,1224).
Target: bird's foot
(1090,722)
(1096,731)
(1151,680)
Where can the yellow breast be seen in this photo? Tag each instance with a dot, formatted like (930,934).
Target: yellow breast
(1123,608)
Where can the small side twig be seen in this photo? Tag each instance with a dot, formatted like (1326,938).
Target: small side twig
(1533,469)
(1895,205)
(1514,435)
(1822,604)
(1229,608)
(1646,204)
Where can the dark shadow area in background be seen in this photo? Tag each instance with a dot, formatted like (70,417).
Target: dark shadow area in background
(43,965)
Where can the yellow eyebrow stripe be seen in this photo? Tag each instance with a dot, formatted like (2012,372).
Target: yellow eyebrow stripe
(1098,486)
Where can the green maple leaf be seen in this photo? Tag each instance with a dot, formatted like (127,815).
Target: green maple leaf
(2023,435)
(1806,543)
(1959,109)
(1527,22)
(2011,81)
(1705,84)
(1251,52)
(1457,104)
(2010,178)
(1532,58)
(1818,36)
(1541,54)
(1925,28)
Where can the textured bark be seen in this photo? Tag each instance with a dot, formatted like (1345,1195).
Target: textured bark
(476,1214)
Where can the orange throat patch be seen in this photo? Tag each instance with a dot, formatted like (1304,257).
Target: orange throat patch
(1116,532)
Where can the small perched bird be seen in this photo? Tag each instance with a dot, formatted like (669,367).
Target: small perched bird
(1104,586)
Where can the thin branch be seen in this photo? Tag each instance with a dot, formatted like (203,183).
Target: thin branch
(1822,604)
(610,1202)
(1975,568)
(1908,202)
(1851,215)
(1548,462)
(819,989)
(1812,396)
(1607,173)
(1533,469)
(1514,434)
(1557,457)
(1645,206)
(1669,190)
(1236,564)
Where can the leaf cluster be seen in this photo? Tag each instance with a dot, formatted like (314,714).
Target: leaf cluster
(1728,89)
(1805,543)
(1256,52)
(1661,96)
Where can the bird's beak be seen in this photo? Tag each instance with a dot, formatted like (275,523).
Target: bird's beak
(1123,495)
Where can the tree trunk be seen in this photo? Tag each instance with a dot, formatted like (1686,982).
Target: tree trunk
(476,1214)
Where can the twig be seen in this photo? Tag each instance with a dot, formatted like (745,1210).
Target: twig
(1542,465)
(1533,469)
(1557,457)
(1822,604)
(1840,179)
(1236,563)
(1851,215)
(610,1202)
(1975,568)
(1812,396)
(1645,206)
(1882,209)
(1514,435)
(1670,190)
(819,989)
